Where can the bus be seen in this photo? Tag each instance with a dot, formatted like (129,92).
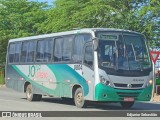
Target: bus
(89,64)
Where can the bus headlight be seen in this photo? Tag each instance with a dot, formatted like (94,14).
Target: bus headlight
(105,81)
(150,82)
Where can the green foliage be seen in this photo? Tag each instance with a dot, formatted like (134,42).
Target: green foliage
(137,15)
(19,18)
(2,81)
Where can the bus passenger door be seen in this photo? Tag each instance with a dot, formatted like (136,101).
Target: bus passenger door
(88,71)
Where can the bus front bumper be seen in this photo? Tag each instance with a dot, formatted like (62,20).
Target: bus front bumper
(106,93)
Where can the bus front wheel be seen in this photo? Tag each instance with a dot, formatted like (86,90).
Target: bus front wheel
(30,96)
(127,105)
(79,98)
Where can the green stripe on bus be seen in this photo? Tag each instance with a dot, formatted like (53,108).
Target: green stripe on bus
(64,72)
(45,89)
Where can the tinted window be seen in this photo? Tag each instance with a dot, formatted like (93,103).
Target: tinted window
(31,51)
(17,52)
(58,49)
(11,52)
(24,51)
(40,51)
(79,42)
(48,50)
(63,48)
(44,50)
(67,48)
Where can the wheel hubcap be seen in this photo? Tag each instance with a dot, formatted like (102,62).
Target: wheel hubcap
(29,93)
(79,98)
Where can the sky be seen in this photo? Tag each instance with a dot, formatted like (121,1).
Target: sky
(49,1)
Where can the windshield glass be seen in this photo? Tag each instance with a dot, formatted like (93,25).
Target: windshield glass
(123,51)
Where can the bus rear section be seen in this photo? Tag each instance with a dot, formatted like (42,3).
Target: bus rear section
(46,65)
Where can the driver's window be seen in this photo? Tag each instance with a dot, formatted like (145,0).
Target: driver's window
(88,56)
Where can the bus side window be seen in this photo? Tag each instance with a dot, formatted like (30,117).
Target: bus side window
(40,51)
(67,48)
(88,56)
(24,51)
(31,51)
(17,52)
(44,50)
(48,50)
(58,49)
(63,48)
(11,52)
(79,42)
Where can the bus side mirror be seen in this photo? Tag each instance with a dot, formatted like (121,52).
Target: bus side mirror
(95,43)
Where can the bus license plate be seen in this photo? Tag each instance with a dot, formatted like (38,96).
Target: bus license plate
(129,99)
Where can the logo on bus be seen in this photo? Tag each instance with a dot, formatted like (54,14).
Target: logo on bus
(140,80)
(129,86)
(35,71)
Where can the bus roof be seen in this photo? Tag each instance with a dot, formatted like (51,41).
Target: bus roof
(83,30)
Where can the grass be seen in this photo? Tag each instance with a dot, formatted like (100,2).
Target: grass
(1,81)
(1,78)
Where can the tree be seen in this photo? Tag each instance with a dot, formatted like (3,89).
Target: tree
(137,15)
(19,18)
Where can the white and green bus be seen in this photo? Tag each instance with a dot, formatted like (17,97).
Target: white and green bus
(90,64)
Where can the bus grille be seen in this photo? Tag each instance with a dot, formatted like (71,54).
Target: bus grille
(128,94)
(126,85)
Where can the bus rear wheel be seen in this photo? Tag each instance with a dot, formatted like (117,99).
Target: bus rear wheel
(30,96)
(127,105)
(79,98)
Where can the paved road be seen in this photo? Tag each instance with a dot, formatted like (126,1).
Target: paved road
(11,100)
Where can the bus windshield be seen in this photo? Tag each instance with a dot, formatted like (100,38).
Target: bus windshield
(127,51)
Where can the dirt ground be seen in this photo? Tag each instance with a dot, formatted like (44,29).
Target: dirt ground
(156,98)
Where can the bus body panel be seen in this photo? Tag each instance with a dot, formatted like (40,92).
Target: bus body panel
(88,74)
(51,79)
(123,86)
(106,93)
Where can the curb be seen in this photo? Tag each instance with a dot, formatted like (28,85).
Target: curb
(155,102)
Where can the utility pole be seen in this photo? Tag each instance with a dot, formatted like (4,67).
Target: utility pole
(153,89)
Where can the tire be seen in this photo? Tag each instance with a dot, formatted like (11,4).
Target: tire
(30,96)
(127,105)
(79,98)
